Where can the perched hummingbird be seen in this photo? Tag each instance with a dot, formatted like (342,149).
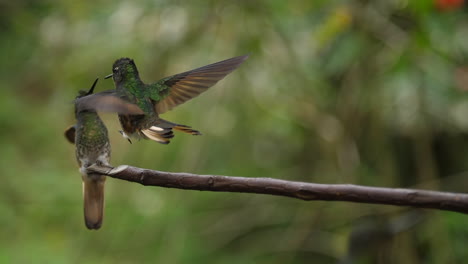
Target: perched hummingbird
(156,98)
(89,135)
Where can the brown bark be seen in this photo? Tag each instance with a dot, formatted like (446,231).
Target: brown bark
(456,202)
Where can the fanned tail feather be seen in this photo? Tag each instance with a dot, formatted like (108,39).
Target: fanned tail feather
(158,135)
(187,129)
(162,132)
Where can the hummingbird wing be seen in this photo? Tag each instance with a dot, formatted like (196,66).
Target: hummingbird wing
(70,134)
(107,101)
(177,89)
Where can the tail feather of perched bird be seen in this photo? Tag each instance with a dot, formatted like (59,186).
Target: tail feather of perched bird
(93,195)
(161,96)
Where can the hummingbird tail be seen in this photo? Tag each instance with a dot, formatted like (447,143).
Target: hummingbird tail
(158,134)
(187,129)
(162,132)
(93,193)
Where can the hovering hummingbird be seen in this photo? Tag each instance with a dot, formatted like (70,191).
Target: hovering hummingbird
(89,135)
(157,98)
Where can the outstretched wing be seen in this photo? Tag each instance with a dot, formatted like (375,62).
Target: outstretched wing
(177,89)
(107,101)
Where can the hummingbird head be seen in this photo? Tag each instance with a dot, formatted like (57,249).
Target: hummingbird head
(123,69)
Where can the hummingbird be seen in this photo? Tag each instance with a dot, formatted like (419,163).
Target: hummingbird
(163,95)
(90,137)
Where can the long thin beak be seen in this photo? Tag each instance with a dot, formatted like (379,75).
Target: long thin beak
(108,76)
(92,87)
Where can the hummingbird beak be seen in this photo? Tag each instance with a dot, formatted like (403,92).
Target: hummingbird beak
(108,76)
(92,87)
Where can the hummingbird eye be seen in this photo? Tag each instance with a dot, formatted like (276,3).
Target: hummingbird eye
(116,69)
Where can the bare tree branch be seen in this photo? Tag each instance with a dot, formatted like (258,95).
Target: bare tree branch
(456,202)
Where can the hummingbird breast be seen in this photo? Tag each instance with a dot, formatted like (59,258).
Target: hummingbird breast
(92,142)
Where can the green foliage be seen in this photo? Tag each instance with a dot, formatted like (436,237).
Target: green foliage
(362,92)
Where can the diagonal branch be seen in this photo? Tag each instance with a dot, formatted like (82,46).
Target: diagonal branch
(456,202)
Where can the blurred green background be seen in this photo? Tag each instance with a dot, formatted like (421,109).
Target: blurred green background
(362,92)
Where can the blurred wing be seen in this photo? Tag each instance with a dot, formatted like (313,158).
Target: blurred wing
(182,87)
(107,101)
(70,134)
